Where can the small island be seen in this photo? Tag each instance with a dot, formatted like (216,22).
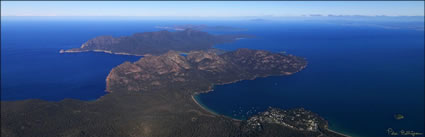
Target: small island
(398,116)
(155,43)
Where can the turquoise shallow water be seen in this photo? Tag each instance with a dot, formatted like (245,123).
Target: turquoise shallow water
(358,77)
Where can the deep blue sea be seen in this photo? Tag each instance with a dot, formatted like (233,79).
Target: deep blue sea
(357,78)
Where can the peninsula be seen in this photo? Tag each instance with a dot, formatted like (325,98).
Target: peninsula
(155,43)
(152,97)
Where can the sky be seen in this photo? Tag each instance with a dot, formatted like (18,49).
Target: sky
(211,8)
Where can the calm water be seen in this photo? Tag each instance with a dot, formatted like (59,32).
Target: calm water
(357,76)
(32,67)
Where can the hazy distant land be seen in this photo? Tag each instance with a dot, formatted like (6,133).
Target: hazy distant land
(200,27)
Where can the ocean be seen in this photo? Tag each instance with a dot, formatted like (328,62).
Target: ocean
(358,76)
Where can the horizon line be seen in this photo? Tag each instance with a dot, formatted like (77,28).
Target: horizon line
(311,15)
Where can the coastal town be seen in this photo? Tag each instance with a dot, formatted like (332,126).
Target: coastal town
(299,119)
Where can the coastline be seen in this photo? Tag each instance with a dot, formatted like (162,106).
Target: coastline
(340,132)
(209,110)
(217,114)
(223,83)
(194,96)
(62,51)
(203,106)
(335,132)
(103,51)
